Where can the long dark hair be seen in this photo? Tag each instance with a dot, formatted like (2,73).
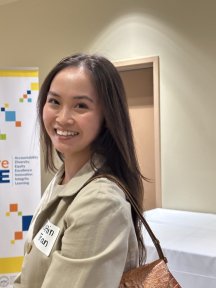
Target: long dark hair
(115,140)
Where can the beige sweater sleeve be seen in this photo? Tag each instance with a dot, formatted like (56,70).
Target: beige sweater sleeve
(95,243)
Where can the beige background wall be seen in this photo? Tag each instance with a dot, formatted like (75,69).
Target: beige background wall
(182,33)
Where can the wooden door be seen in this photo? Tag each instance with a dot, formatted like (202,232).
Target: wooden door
(139,81)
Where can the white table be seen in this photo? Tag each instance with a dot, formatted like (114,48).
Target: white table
(188,240)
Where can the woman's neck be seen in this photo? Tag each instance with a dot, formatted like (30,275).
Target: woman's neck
(71,167)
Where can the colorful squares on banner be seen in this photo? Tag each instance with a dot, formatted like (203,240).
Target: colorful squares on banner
(18,235)
(25,98)
(26,220)
(10,116)
(3,137)
(18,123)
(34,86)
(13,207)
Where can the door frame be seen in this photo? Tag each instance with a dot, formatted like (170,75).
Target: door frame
(134,64)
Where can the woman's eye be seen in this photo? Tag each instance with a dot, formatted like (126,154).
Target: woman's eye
(52,101)
(81,106)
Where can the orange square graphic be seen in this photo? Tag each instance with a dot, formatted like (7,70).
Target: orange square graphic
(18,235)
(25,96)
(18,123)
(13,207)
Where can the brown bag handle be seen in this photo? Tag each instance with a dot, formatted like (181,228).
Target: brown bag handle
(155,241)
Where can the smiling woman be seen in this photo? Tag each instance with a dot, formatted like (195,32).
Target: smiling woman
(95,233)
(72,117)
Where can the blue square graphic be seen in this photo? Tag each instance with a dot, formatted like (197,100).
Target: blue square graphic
(26,220)
(2,109)
(28,91)
(10,116)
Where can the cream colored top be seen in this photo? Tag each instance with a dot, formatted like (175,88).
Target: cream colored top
(96,242)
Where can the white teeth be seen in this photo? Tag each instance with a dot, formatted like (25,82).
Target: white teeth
(66,133)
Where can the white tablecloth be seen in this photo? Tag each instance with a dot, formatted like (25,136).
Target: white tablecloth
(188,240)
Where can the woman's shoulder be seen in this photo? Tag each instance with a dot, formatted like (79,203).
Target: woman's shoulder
(105,193)
(101,200)
(105,187)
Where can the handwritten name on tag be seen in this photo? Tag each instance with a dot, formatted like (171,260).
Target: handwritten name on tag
(46,237)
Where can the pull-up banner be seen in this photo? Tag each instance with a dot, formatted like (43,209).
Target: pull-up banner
(20,185)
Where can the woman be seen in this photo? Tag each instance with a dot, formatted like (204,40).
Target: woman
(84,234)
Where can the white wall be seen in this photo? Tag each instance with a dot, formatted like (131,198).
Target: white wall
(181,33)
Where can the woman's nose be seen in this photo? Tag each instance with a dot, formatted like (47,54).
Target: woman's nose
(65,116)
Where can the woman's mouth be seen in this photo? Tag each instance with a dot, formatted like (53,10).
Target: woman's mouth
(65,133)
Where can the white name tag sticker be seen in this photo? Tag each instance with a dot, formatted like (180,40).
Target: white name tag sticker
(46,237)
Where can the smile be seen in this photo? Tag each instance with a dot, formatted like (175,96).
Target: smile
(66,133)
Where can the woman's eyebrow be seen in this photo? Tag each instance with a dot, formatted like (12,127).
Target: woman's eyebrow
(81,97)
(51,93)
(78,97)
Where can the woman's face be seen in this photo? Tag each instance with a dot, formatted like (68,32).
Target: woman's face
(72,113)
